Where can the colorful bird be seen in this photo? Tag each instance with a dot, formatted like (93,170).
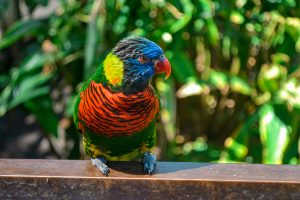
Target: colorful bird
(117,107)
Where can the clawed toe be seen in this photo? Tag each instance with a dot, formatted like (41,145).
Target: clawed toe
(100,163)
(149,161)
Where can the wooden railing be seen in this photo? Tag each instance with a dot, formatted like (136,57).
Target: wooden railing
(78,179)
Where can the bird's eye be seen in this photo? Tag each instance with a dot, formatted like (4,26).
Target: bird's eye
(143,59)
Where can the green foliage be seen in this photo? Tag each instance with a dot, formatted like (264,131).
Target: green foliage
(234,94)
(19,30)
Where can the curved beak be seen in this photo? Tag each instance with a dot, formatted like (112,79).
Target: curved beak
(163,66)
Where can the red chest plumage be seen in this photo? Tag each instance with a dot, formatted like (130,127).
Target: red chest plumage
(116,114)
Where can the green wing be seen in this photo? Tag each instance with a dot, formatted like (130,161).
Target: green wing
(98,77)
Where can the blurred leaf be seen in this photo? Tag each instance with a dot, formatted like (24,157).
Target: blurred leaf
(191,88)
(42,108)
(270,77)
(3,7)
(29,87)
(240,85)
(237,144)
(23,85)
(218,79)
(27,96)
(274,134)
(290,3)
(4,79)
(28,84)
(207,12)
(70,106)
(226,45)
(236,17)
(246,47)
(31,62)
(291,154)
(32,4)
(198,24)
(213,32)
(21,29)
(182,67)
(289,94)
(187,16)
(280,58)
(167,96)
(206,9)
(293,27)
(4,99)
(92,39)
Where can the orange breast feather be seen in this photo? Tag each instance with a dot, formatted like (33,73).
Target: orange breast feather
(116,114)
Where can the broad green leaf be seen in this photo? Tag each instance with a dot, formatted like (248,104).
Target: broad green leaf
(19,30)
(42,108)
(32,62)
(93,39)
(4,99)
(70,106)
(182,67)
(90,49)
(290,3)
(30,83)
(24,97)
(29,87)
(237,145)
(166,90)
(274,135)
(22,83)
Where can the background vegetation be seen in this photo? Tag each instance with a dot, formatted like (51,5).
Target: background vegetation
(234,94)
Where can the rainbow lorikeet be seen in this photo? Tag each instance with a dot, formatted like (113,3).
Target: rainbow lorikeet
(117,108)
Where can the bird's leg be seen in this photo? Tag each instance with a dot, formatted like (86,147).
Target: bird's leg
(100,163)
(149,162)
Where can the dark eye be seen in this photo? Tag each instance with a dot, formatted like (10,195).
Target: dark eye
(162,57)
(143,59)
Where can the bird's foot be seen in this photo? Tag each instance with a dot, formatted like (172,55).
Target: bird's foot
(100,163)
(149,161)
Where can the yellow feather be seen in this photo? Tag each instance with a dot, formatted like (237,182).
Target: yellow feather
(136,153)
(113,69)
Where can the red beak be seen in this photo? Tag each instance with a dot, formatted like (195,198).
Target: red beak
(163,66)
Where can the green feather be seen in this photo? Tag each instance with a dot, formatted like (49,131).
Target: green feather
(114,148)
(117,147)
(121,147)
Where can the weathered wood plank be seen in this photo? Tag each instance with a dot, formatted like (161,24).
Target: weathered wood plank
(78,179)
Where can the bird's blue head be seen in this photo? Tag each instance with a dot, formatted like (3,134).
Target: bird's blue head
(142,59)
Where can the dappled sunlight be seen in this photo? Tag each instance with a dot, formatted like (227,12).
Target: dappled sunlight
(233,94)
